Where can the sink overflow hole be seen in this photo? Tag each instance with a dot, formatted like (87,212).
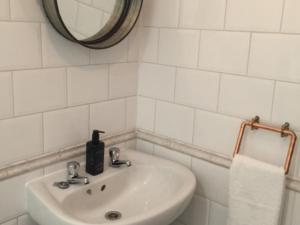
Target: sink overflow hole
(103,187)
(113,215)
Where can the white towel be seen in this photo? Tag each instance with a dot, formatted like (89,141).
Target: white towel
(255,193)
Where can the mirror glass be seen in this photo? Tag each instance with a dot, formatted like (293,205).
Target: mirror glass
(85,18)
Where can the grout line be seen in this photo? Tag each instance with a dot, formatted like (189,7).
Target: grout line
(249,54)
(12,94)
(199,49)
(226,73)
(282,15)
(225,30)
(219,92)
(194,125)
(65,108)
(273,100)
(225,14)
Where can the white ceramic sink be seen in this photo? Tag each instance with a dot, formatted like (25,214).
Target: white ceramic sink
(152,191)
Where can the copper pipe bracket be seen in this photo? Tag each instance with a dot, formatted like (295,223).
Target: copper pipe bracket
(285,127)
(284,131)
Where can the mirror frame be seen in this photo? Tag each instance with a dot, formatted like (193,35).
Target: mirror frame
(122,21)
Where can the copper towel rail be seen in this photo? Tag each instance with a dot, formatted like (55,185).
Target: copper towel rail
(284,131)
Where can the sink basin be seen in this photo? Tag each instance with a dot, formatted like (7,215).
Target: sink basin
(152,191)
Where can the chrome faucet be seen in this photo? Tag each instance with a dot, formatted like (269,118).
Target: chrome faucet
(115,162)
(73,176)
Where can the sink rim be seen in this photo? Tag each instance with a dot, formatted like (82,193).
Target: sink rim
(38,189)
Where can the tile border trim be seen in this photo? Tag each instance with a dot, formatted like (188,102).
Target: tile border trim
(293,183)
(43,160)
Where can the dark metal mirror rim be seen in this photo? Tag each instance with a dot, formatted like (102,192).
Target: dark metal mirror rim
(122,21)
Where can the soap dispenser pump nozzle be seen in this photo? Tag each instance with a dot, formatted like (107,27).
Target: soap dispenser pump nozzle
(96,136)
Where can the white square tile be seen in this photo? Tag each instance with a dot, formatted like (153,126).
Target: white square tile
(172,155)
(197,88)
(14,53)
(159,13)
(115,54)
(212,181)
(286,104)
(256,15)
(246,97)
(174,121)
(145,147)
(197,212)
(202,14)
(123,79)
(29,10)
(12,194)
(108,116)
(216,132)
(20,138)
(224,51)
(4,10)
(217,214)
(39,90)
(149,44)
(157,81)
(179,47)
(275,56)
(6,109)
(145,113)
(87,84)
(58,51)
(65,128)
(291,17)
(26,220)
(131,112)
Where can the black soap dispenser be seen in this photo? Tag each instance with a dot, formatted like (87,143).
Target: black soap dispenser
(95,154)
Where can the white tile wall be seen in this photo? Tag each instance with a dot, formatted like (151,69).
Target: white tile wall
(47,86)
(245,63)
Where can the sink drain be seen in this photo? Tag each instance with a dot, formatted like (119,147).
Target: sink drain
(113,215)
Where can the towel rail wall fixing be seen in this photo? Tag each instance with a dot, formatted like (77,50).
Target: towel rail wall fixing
(284,131)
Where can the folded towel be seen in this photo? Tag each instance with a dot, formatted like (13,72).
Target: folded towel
(255,193)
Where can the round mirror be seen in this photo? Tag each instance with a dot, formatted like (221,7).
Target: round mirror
(93,23)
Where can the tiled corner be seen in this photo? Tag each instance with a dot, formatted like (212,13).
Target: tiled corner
(145,146)
(26,220)
(148,49)
(217,214)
